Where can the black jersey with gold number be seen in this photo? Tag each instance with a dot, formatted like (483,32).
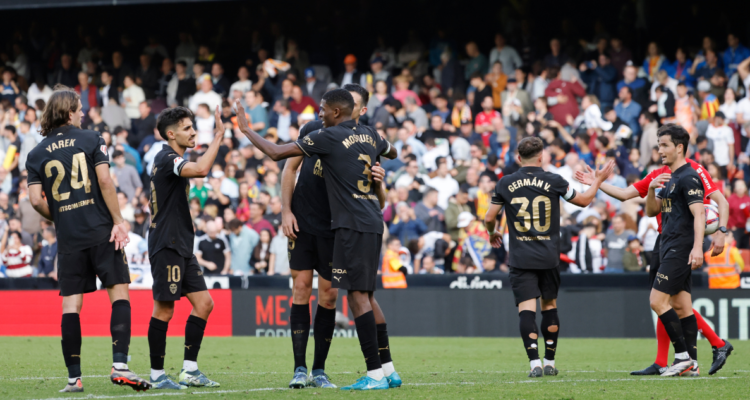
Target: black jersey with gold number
(171,223)
(310,200)
(531,197)
(683,189)
(347,152)
(64,164)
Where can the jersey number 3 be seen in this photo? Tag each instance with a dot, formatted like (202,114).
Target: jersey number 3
(365,187)
(76,181)
(522,213)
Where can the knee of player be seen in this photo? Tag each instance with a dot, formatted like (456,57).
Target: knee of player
(204,307)
(163,314)
(327,298)
(302,287)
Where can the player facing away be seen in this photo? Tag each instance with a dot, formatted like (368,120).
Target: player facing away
(170,246)
(347,152)
(680,202)
(531,197)
(70,167)
(306,221)
(721,348)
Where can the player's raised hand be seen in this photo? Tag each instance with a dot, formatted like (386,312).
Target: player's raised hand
(378,173)
(219,131)
(241,118)
(496,240)
(660,180)
(696,258)
(119,236)
(587,177)
(605,171)
(289,224)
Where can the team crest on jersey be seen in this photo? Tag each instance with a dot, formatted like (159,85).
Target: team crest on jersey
(103,148)
(671,189)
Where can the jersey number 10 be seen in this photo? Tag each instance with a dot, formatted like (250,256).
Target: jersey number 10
(76,182)
(522,213)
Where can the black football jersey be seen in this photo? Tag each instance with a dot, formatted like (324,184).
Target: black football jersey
(64,163)
(310,199)
(347,152)
(171,223)
(683,189)
(531,198)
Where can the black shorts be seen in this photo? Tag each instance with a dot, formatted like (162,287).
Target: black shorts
(77,271)
(655,262)
(674,276)
(356,256)
(175,275)
(310,252)
(530,284)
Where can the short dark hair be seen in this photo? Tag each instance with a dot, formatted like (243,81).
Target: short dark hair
(392,239)
(678,135)
(340,98)
(170,117)
(584,136)
(117,153)
(603,140)
(234,224)
(530,147)
(362,92)
(10,128)
(475,74)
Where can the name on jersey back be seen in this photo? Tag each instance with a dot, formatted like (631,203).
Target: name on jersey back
(60,144)
(529,182)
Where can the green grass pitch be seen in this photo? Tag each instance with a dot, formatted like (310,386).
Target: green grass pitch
(432,368)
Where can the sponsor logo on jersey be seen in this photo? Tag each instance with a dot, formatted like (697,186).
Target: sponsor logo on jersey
(702,173)
(103,148)
(695,192)
(339,271)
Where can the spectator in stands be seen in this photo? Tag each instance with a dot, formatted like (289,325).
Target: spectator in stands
(206,95)
(213,252)
(263,260)
(87,92)
(628,110)
(442,182)
(16,256)
(706,68)
(127,178)
(280,251)
(638,86)
(133,96)
(633,259)
(477,61)
(722,137)
(506,55)
(739,210)
(615,243)
(619,55)
(147,77)
(455,208)
(350,74)
(64,74)
(601,79)
(313,87)
(242,241)
(258,115)
(428,266)
(429,212)
(299,102)
(415,113)
(220,82)
(142,126)
(565,93)
(654,61)
(281,118)
(516,103)
(96,121)
(408,227)
(47,266)
(556,58)
(734,54)
(257,222)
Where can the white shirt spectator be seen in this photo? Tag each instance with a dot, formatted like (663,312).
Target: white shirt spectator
(446,188)
(242,86)
(723,138)
(211,98)
(35,94)
(205,129)
(229,188)
(648,237)
(279,248)
(429,158)
(133,96)
(151,155)
(132,251)
(729,110)
(743,107)
(17,262)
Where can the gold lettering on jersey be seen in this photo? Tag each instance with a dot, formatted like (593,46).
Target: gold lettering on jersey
(695,192)
(666,205)
(532,238)
(367,139)
(364,196)
(529,182)
(318,169)
(60,144)
(76,205)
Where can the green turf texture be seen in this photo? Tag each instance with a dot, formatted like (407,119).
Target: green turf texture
(432,368)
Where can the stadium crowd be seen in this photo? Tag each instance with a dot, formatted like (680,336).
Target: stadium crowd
(454,112)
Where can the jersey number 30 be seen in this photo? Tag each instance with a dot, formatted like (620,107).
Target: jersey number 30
(76,182)
(522,213)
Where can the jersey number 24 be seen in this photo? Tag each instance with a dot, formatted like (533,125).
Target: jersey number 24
(79,176)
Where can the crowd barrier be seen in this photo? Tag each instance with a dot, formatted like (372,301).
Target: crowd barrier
(601,306)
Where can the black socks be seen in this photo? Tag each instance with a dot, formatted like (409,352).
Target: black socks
(157,342)
(550,330)
(690,331)
(193,337)
(324,325)
(71,343)
(529,333)
(300,324)
(383,347)
(368,340)
(673,326)
(119,327)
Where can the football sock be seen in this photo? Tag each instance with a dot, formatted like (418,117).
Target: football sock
(529,333)
(189,366)
(300,324)
(705,329)
(384,347)
(156,373)
(157,342)
(119,327)
(674,329)
(662,345)
(550,330)
(325,324)
(368,340)
(535,363)
(71,343)
(549,362)
(193,337)
(376,374)
(690,330)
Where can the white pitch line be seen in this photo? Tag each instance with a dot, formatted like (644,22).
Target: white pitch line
(166,394)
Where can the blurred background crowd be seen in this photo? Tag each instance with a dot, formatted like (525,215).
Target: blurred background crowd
(452,101)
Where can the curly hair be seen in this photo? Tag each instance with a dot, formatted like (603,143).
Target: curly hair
(62,102)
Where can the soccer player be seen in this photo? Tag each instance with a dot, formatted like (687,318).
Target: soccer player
(70,167)
(347,152)
(721,348)
(532,206)
(306,220)
(170,246)
(680,202)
